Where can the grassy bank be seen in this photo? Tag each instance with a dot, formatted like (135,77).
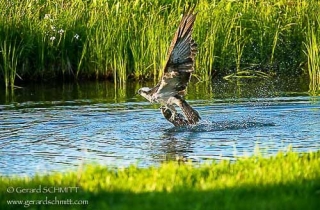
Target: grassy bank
(42,40)
(286,181)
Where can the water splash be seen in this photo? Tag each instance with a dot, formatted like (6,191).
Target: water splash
(207,126)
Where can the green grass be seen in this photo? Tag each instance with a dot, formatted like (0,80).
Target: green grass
(44,40)
(285,181)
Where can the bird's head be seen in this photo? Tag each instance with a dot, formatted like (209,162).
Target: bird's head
(144,92)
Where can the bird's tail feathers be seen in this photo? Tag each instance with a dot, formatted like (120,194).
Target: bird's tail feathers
(191,114)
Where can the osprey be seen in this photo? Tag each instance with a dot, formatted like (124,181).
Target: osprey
(177,73)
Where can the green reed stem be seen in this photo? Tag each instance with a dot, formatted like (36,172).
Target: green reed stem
(313,52)
(124,39)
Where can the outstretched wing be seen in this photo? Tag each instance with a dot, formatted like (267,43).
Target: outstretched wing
(180,61)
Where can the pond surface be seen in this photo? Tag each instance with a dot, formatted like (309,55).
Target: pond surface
(46,128)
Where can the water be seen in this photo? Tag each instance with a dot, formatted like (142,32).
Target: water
(47,128)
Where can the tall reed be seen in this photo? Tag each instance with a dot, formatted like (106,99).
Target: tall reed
(312,52)
(122,39)
(10,55)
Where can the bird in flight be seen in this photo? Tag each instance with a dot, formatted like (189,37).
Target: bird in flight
(176,75)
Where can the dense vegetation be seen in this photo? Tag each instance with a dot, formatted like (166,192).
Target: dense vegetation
(286,181)
(41,40)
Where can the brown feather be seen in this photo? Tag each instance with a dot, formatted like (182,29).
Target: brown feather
(181,54)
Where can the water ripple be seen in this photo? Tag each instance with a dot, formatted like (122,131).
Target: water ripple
(53,136)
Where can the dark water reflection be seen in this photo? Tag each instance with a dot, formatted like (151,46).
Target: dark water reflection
(56,127)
